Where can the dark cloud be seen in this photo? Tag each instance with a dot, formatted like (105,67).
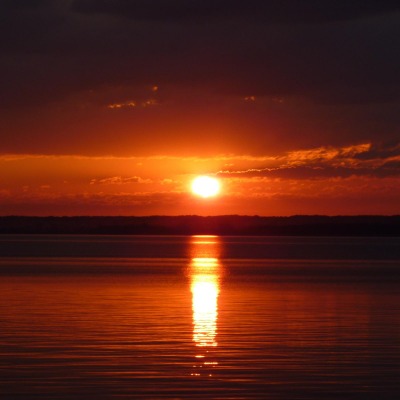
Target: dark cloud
(69,49)
(22,4)
(340,56)
(286,11)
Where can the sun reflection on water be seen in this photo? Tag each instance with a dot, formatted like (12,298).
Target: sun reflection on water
(205,291)
(205,272)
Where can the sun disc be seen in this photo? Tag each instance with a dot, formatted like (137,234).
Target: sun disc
(205,186)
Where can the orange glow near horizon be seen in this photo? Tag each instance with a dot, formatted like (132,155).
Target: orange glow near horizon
(161,185)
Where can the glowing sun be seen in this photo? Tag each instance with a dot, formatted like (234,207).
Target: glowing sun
(205,186)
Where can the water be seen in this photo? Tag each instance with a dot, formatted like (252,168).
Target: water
(142,317)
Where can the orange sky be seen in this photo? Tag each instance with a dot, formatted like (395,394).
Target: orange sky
(315,181)
(112,107)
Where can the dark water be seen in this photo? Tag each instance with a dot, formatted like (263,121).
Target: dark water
(125,317)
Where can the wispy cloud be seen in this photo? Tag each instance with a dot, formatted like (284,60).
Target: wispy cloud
(325,154)
(363,159)
(116,106)
(119,180)
(133,104)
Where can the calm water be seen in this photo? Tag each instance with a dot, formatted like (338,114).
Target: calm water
(141,317)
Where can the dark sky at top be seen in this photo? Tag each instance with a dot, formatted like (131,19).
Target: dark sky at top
(321,73)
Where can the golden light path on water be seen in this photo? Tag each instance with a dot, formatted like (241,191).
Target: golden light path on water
(205,291)
(205,271)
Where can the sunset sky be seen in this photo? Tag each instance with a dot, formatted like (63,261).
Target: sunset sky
(113,107)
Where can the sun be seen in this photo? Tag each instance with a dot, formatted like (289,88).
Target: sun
(205,186)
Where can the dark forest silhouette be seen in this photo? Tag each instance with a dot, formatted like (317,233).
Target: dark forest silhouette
(217,225)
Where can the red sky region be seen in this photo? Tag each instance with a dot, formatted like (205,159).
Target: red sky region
(317,181)
(112,107)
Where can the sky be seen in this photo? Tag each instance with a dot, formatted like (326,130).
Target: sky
(112,107)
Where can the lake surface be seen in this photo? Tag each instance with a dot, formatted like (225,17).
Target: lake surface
(180,317)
